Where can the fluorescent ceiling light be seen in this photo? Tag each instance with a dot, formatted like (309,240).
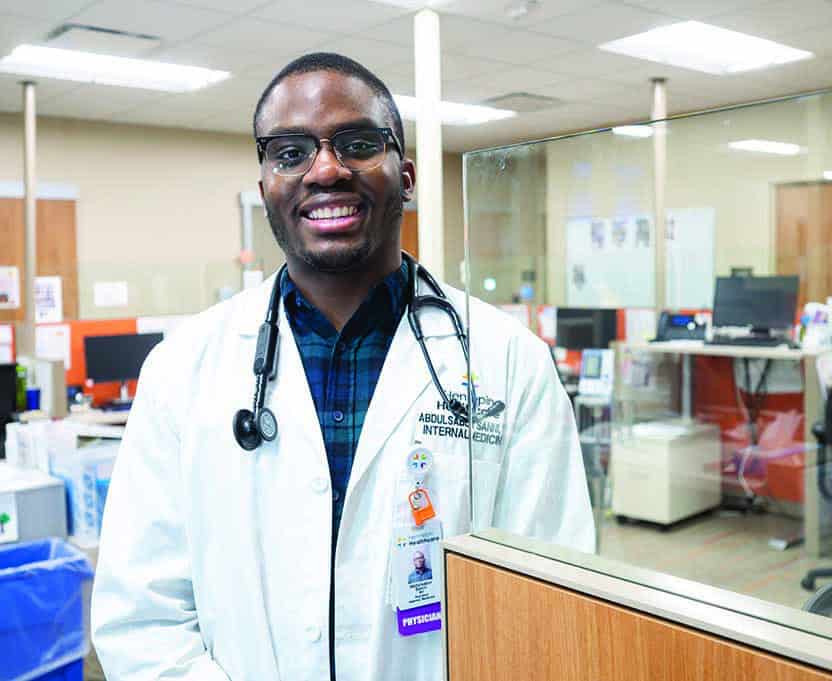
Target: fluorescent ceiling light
(451,113)
(702,47)
(827,174)
(633,130)
(766,147)
(88,67)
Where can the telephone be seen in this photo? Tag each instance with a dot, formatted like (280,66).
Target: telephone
(674,326)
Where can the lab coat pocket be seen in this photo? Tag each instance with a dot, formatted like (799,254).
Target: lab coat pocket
(454,492)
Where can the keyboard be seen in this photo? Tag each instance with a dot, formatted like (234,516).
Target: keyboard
(753,341)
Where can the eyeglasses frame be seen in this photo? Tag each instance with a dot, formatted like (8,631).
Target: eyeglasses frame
(387,133)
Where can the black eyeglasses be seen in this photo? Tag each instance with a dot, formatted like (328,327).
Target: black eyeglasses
(357,150)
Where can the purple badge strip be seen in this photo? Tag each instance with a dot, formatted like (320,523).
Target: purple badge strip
(421,619)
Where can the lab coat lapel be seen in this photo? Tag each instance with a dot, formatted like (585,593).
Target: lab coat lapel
(403,379)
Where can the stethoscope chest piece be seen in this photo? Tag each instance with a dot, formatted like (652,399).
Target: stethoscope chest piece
(246,431)
(267,424)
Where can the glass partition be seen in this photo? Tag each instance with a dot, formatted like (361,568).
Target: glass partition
(679,273)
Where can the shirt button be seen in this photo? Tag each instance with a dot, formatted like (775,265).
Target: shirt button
(340,346)
(336,495)
(313,633)
(320,485)
(338,416)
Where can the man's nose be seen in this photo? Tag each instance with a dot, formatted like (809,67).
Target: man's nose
(326,169)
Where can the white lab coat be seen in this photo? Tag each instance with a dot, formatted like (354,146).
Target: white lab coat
(214,563)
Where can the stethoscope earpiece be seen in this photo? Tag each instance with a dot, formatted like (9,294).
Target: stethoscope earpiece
(245,430)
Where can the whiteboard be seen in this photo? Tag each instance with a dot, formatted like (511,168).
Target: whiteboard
(690,258)
(609,262)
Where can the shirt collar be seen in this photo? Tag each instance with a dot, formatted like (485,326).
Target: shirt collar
(382,308)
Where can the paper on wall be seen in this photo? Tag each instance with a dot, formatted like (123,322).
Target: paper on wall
(5,334)
(8,519)
(53,342)
(48,300)
(110,294)
(640,325)
(547,322)
(9,288)
(163,325)
(6,355)
(519,311)
(6,339)
(252,278)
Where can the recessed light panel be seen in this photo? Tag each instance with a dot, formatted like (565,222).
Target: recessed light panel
(633,131)
(451,113)
(766,147)
(89,67)
(702,47)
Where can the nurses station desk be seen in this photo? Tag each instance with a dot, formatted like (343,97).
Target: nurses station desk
(817,512)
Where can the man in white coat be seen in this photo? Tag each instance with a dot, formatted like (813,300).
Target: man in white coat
(272,551)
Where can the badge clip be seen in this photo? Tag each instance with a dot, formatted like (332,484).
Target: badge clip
(420,506)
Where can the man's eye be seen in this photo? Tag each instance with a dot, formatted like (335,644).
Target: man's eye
(289,154)
(360,148)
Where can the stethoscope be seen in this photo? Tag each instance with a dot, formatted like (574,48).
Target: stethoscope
(251,427)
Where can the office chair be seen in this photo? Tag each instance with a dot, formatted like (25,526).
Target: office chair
(821,602)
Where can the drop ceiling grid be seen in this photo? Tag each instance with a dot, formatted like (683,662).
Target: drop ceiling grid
(485,54)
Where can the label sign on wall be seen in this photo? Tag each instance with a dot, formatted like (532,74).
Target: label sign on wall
(9,288)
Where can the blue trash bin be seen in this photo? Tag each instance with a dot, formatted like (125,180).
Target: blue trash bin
(42,610)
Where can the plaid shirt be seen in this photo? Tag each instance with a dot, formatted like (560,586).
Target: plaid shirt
(343,369)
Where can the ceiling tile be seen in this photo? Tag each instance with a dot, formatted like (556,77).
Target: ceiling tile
(456,66)
(331,16)
(96,101)
(696,9)
(56,11)
(245,33)
(496,83)
(582,89)
(398,31)
(604,22)
(593,63)
(210,57)
(496,11)
(171,22)
(778,18)
(523,48)
(11,92)
(370,53)
(16,30)
(237,7)
(816,40)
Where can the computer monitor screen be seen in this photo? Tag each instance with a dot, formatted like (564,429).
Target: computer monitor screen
(759,302)
(582,328)
(117,358)
(8,390)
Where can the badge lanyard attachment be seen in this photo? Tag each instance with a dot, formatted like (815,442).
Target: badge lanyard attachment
(419,463)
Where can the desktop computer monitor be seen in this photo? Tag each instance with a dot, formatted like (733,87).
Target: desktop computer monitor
(762,303)
(583,328)
(118,358)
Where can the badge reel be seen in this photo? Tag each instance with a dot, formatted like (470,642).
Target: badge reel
(419,463)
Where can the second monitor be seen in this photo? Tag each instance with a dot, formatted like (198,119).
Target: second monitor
(580,328)
(118,359)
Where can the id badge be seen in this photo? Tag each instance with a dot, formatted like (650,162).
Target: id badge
(417,583)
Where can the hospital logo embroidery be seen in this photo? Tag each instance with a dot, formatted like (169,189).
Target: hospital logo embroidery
(474,378)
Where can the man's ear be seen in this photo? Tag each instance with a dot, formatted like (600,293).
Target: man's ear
(262,197)
(408,179)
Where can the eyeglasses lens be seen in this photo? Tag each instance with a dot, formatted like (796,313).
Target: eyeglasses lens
(357,150)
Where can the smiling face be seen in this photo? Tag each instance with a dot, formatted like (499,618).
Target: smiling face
(332,219)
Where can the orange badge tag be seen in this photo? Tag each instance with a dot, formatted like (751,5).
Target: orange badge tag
(420,506)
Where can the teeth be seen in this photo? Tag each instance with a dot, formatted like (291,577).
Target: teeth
(337,212)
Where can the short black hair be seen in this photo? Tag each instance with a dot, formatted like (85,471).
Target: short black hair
(329,61)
